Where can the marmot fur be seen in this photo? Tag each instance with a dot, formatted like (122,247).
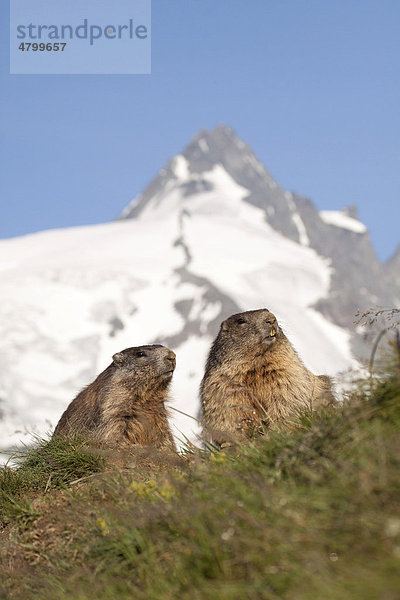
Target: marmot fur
(124,405)
(255,378)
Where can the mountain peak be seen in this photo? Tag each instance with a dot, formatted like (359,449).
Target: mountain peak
(223,129)
(222,146)
(217,166)
(207,149)
(216,135)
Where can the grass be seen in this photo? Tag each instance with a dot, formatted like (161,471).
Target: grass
(311,513)
(48,465)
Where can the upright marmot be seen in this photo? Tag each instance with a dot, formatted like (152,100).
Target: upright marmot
(254,378)
(125,404)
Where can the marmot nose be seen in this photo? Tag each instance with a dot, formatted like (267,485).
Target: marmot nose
(171,358)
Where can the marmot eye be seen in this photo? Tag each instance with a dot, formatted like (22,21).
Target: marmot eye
(140,353)
(240,321)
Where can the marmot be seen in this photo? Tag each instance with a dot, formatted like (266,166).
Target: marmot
(254,378)
(124,405)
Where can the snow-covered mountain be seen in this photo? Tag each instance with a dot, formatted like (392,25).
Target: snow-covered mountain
(392,269)
(212,234)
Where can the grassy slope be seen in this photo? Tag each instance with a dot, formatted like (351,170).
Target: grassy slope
(313,513)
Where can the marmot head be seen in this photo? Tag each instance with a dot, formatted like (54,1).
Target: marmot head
(248,334)
(145,367)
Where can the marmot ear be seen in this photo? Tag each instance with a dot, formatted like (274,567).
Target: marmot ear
(224,326)
(118,359)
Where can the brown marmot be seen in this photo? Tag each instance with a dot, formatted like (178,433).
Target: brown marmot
(254,378)
(124,405)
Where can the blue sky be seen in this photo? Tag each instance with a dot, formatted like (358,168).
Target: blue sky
(313,87)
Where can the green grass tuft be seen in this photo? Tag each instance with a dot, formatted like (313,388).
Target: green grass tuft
(47,465)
